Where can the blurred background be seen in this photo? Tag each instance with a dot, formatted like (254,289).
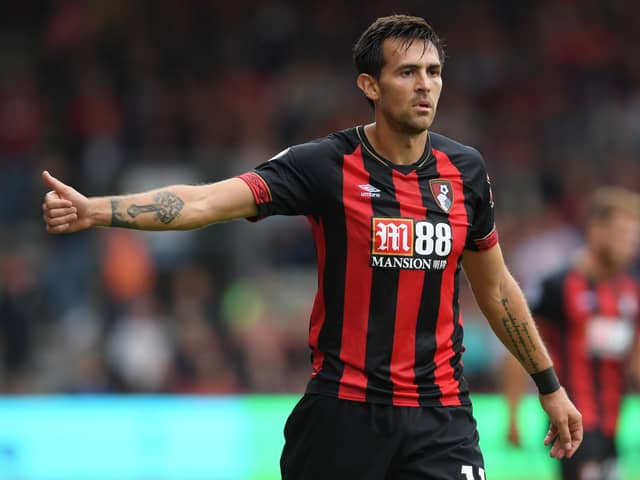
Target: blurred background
(115,96)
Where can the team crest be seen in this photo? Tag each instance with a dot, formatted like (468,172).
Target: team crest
(442,193)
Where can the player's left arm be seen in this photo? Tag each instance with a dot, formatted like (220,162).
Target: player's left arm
(503,304)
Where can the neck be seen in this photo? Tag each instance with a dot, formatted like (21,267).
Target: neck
(398,147)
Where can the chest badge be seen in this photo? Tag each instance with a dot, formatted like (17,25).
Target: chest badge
(442,193)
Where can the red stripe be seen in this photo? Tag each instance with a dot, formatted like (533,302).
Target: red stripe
(259,188)
(318,313)
(578,375)
(410,283)
(357,293)
(487,242)
(610,370)
(444,372)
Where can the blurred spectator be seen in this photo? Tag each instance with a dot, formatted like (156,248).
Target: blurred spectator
(140,348)
(22,129)
(18,291)
(127,270)
(204,357)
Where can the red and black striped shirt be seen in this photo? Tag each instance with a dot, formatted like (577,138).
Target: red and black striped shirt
(385,326)
(590,327)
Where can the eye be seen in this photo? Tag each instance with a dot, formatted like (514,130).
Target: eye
(406,73)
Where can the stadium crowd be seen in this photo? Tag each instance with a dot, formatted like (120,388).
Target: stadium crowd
(116,96)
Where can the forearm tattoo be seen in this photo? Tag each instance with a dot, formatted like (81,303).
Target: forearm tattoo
(167,207)
(117,218)
(520,337)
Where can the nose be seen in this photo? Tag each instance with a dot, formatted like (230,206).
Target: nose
(422,82)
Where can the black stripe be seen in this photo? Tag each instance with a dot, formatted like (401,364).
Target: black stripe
(568,334)
(330,338)
(458,329)
(458,346)
(594,366)
(468,192)
(557,325)
(384,293)
(429,305)
(596,363)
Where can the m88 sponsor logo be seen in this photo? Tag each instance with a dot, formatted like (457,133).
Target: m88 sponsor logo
(409,244)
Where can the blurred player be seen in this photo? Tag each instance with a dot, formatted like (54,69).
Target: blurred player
(589,314)
(392,207)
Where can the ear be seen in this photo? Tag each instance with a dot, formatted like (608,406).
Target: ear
(369,86)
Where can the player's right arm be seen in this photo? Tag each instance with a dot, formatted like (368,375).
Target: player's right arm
(176,207)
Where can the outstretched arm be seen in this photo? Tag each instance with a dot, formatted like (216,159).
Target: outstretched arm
(502,302)
(177,207)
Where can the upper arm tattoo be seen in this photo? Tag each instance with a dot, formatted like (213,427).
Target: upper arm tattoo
(520,336)
(167,206)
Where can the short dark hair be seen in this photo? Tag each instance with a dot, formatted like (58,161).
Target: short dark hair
(367,52)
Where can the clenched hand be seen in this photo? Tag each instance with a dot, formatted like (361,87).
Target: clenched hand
(64,209)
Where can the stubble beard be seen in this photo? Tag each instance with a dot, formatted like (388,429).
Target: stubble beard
(412,125)
(408,122)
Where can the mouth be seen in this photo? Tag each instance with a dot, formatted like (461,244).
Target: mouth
(423,105)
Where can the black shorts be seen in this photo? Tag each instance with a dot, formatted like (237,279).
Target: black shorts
(596,458)
(331,439)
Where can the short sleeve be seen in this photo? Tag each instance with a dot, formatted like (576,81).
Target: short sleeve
(482,232)
(289,183)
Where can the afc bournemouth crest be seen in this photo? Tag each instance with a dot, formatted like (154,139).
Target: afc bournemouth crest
(442,193)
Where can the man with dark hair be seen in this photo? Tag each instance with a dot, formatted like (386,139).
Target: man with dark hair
(392,207)
(590,314)
(368,55)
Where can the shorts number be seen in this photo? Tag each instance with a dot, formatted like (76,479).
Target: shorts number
(430,238)
(467,471)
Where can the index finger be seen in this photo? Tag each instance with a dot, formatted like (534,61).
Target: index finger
(53,200)
(564,435)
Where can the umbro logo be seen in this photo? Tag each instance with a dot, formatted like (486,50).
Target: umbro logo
(369,191)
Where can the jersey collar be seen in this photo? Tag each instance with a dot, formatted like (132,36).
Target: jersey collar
(426,154)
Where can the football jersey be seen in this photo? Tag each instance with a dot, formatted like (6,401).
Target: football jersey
(385,326)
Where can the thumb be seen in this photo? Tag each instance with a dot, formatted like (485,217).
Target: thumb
(53,183)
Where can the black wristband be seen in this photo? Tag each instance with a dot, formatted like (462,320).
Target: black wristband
(546,381)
